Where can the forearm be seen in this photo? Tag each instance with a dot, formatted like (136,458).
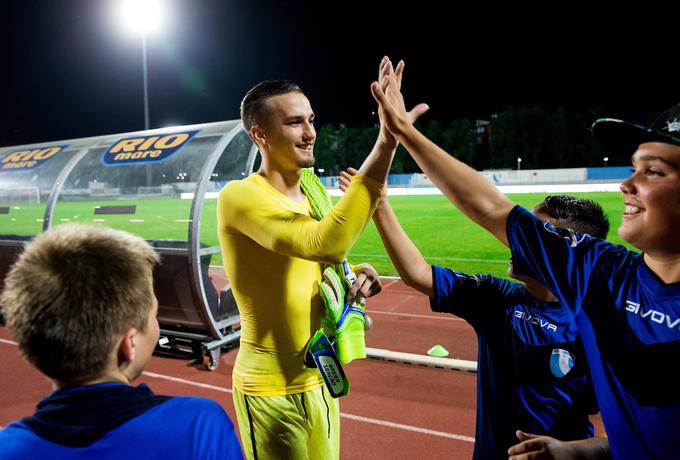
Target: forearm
(377,164)
(329,239)
(407,259)
(252,211)
(590,449)
(466,188)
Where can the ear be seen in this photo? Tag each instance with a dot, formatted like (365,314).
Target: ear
(126,349)
(258,134)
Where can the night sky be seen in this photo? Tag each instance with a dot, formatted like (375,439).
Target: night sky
(68,72)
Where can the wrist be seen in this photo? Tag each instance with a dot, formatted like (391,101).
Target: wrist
(387,138)
(402,129)
(382,207)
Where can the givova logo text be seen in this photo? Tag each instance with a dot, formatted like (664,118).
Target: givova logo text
(650,314)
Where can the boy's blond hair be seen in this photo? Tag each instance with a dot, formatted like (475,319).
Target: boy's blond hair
(71,295)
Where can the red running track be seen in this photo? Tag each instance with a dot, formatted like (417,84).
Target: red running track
(393,410)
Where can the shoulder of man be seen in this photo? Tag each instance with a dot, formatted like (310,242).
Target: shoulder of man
(242,189)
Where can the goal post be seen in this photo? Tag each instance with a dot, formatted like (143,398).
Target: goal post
(20,195)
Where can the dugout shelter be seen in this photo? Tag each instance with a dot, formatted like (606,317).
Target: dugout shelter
(160,184)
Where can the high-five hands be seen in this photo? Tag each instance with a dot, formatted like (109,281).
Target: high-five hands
(387,93)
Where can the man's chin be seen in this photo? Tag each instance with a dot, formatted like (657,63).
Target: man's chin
(307,162)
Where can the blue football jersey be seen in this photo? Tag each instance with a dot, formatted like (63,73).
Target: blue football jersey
(630,326)
(532,373)
(182,427)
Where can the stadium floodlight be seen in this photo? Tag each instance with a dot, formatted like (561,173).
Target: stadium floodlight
(145,16)
(519,163)
(142,17)
(605,159)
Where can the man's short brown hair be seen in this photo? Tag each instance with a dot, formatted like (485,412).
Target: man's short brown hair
(254,104)
(72,293)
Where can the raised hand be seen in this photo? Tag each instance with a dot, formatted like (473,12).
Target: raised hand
(385,69)
(387,74)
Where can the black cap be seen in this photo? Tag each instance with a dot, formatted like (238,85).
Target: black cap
(624,137)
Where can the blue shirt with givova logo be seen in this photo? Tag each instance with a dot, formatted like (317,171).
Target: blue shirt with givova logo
(532,373)
(630,327)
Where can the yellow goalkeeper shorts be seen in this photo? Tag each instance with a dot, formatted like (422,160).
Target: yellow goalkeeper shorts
(299,425)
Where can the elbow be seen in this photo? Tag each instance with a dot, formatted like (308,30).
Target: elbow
(332,249)
(326,253)
(334,258)
(410,281)
(418,278)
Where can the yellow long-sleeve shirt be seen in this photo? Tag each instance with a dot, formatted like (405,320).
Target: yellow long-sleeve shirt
(272,250)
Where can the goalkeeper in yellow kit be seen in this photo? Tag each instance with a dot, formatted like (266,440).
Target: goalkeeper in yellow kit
(275,240)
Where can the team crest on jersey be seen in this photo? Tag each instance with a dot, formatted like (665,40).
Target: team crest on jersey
(566,233)
(561,362)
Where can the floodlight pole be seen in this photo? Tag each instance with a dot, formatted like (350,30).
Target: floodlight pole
(146,84)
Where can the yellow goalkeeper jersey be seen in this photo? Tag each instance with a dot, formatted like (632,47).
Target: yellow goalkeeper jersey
(272,252)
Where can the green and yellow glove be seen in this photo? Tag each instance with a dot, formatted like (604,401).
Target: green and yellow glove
(344,323)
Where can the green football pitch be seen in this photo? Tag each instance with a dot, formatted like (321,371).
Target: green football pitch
(448,238)
(442,233)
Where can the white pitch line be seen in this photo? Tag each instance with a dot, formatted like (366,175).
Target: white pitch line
(358,418)
(416,429)
(413,315)
(187,382)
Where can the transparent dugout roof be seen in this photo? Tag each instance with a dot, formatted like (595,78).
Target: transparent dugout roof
(152,183)
(159,184)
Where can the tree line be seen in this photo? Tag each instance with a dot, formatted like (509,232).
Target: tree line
(541,137)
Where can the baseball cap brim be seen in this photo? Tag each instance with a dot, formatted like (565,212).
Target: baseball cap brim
(624,137)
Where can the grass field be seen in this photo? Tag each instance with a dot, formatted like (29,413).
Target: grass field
(446,237)
(443,234)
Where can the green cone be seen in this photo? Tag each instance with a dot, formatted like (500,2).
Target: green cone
(438,352)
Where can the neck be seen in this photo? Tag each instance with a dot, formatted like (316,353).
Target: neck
(285,181)
(667,268)
(57,385)
(547,298)
(540,293)
(116,369)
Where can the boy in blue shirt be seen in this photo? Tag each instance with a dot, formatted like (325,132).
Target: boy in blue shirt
(81,305)
(626,304)
(532,371)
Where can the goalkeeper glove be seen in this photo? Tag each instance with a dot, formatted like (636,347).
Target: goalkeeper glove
(343,321)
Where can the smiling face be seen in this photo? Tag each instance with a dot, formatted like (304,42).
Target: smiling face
(651,218)
(286,134)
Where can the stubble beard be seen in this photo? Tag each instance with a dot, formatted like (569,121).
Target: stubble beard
(307,162)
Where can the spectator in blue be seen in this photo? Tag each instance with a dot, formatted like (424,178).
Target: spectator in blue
(81,305)
(626,304)
(532,373)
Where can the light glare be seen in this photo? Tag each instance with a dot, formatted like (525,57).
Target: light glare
(141,16)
